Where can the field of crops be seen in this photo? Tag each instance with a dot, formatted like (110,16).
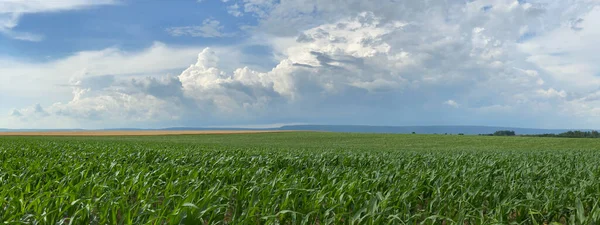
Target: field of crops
(299,178)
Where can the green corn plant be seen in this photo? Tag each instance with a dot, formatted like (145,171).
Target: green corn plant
(299,178)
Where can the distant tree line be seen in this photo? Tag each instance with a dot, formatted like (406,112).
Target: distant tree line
(504,133)
(570,134)
(501,133)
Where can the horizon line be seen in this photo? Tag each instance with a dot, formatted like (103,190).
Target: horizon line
(279,126)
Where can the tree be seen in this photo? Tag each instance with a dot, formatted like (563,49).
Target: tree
(580,134)
(504,133)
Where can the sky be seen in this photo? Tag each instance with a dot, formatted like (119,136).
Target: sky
(197,63)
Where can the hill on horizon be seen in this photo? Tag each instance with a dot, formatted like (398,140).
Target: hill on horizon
(468,130)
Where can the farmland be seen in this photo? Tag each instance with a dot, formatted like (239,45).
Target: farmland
(133,132)
(299,178)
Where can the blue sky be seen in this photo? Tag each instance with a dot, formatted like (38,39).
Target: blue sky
(128,25)
(149,64)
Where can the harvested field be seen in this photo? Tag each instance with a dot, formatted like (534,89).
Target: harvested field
(134,133)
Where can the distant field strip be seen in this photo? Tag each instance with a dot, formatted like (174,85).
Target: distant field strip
(299,178)
(133,133)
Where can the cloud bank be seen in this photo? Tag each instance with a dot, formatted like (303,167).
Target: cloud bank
(508,63)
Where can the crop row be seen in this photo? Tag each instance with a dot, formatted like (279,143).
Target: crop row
(100,182)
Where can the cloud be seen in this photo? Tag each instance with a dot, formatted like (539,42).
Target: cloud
(350,61)
(451,103)
(210,28)
(551,93)
(11,12)
(259,8)
(103,75)
(23,36)
(568,55)
(206,90)
(234,10)
(16,113)
(24,78)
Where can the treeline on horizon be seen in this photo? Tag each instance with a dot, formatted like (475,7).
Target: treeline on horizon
(568,134)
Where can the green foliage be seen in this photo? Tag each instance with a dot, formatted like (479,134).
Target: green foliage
(572,134)
(299,178)
(500,133)
(504,133)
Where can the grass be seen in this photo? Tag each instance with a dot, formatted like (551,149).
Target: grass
(299,178)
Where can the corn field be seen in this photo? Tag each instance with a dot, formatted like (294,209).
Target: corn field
(299,178)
